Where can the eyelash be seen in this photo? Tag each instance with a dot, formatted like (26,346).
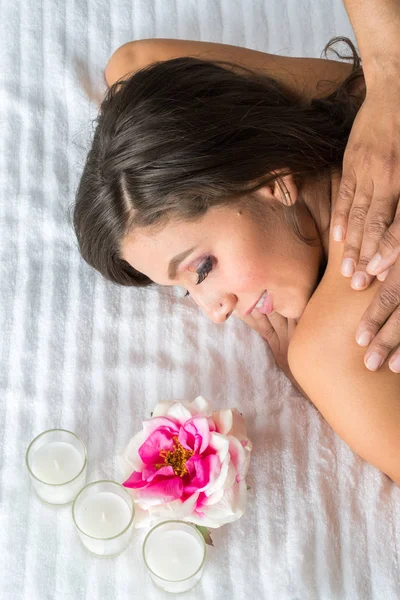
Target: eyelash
(203,271)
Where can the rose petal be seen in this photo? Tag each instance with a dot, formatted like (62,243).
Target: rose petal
(155,423)
(222,480)
(239,426)
(219,444)
(161,439)
(223,420)
(207,470)
(198,426)
(161,491)
(179,412)
(129,459)
(200,406)
(135,481)
(239,456)
(186,439)
(161,409)
(151,471)
(230,508)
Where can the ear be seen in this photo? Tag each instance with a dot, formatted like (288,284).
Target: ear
(284,189)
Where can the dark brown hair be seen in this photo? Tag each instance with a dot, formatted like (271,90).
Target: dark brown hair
(184,135)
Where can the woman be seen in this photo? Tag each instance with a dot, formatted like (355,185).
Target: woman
(223,180)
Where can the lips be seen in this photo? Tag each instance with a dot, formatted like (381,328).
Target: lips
(259,302)
(267,306)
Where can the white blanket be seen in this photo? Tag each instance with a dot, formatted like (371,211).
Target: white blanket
(82,354)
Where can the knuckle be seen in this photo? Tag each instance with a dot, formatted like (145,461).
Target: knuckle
(350,251)
(371,323)
(345,193)
(363,261)
(390,162)
(383,344)
(390,240)
(340,214)
(377,225)
(389,297)
(358,214)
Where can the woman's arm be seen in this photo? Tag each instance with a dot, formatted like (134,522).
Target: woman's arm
(363,407)
(303,75)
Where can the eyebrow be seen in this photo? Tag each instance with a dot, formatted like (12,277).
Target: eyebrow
(176,261)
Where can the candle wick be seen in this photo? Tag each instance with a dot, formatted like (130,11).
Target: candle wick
(103,517)
(57,466)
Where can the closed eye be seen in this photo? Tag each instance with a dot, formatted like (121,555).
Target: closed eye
(204,270)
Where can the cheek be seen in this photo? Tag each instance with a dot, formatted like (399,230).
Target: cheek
(247,274)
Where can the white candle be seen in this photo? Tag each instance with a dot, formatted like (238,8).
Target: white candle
(174,552)
(56,460)
(103,514)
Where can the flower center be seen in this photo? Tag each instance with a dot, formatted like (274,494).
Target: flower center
(176,458)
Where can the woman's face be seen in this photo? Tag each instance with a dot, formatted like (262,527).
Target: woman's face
(229,257)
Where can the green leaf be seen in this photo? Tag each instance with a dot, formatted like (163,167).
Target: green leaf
(206,534)
(248,487)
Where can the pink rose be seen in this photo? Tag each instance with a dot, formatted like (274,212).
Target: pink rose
(188,464)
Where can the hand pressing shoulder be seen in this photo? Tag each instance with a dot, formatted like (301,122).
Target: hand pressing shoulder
(362,406)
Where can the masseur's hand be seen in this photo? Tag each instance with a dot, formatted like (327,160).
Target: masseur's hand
(368,211)
(277,331)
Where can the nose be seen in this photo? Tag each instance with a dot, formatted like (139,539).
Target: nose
(220,310)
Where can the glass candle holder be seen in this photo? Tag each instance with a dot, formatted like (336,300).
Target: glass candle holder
(174,553)
(56,461)
(103,514)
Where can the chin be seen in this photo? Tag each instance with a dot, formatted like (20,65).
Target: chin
(294,311)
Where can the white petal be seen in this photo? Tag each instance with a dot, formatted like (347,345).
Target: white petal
(200,406)
(179,412)
(230,508)
(219,483)
(239,426)
(223,420)
(129,459)
(161,409)
(220,443)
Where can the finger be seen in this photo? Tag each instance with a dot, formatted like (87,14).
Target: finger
(384,303)
(382,276)
(394,362)
(376,225)
(343,203)
(388,249)
(355,231)
(292,324)
(265,327)
(384,342)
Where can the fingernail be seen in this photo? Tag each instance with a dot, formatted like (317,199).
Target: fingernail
(374,263)
(358,281)
(382,276)
(347,267)
(338,233)
(394,364)
(364,339)
(373,362)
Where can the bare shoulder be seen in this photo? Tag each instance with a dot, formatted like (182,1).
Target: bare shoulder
(363,407)
(310,77)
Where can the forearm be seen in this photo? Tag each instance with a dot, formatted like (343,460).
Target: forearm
(376,25)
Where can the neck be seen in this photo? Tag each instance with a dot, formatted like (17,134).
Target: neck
(317,198)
